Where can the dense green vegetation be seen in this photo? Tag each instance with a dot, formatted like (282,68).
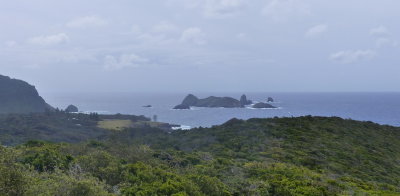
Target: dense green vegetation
(280,156)
(57,126)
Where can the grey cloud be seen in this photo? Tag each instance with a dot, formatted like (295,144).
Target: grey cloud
(11,43)
(48,40)
(223,8)
(123,61)
(87,21)
(165,27)
(353,56)
(194,35)
(282,10)
(213,8)
(380,31)
(316,30)
(383,37)
(383,42)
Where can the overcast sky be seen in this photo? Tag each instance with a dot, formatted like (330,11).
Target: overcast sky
(202,45)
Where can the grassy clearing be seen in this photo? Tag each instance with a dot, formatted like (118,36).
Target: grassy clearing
(116,125)
(148,123)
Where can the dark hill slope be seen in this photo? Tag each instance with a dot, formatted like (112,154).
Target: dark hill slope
(57,126)
(363,149)
(49,126)
(364,154)
(17,96)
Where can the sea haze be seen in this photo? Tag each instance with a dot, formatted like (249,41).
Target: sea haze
(382,108)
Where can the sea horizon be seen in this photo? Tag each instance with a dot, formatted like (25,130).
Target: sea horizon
(378,107)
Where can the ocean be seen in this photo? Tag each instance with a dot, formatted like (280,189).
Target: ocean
(382,108)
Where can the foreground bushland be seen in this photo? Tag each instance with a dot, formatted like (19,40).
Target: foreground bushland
(280,156)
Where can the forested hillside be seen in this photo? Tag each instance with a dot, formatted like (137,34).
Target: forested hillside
(280,156)
(17,96)
(56,126)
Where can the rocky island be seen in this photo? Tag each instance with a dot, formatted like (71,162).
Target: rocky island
(213,102)
(262,105)
(71,109)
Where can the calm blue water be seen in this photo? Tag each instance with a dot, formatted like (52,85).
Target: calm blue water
(383,108)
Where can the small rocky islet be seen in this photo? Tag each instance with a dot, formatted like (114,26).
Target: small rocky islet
(262,105)
(220,102)
(71,109)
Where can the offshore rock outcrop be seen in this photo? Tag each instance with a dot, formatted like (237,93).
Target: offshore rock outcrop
(212,102)
(263,106)
(244,101)
(71,109)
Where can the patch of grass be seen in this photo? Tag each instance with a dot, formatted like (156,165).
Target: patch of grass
(152,124)
(115,125)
